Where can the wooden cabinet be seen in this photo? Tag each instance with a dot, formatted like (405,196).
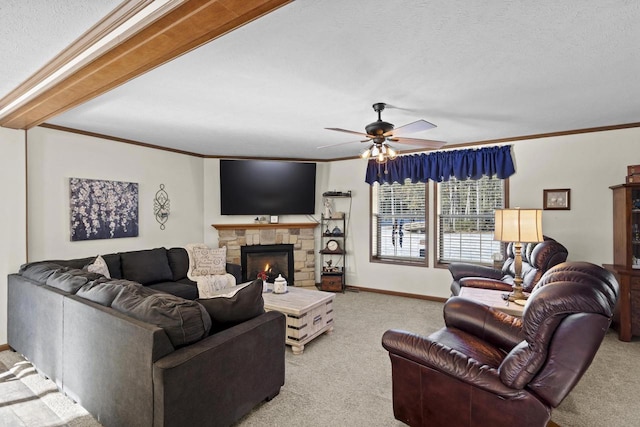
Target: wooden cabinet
(333,226)
(332,282)
(626,257)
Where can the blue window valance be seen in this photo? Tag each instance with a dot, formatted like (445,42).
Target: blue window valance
(442,165)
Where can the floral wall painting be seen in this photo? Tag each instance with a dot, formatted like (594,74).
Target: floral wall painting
(103,209)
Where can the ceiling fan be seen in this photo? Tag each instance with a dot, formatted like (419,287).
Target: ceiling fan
(380,132)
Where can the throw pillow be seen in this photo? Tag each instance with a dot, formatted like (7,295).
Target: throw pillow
(147,266)
(179,263)
(234,305)
(209,261)
(99,266)
(183,321)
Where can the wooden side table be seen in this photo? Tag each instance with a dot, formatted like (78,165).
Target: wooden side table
(492,298)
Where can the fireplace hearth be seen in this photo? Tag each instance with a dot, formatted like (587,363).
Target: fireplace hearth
(272,259)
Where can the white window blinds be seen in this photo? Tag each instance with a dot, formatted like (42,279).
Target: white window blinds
(399,221)
(466,219)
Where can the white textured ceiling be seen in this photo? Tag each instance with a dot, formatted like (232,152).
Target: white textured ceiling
(479,70)
(32,32)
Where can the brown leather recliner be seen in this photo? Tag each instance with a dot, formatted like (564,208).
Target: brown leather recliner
(488,368)
(537,258)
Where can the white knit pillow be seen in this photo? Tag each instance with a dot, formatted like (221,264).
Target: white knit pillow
(209,261)
(99,266)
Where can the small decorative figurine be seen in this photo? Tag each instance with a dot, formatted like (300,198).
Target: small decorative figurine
(328,208)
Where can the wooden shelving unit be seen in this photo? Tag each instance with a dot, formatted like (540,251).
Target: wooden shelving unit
(626,257)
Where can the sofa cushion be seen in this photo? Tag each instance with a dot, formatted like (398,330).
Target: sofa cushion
(179,263)
(39,271)
(103,291)
(234,305)
(207,261)
(99,265)
(113,262)
(187,281)
(147,266)
(178,289)
(75,263)
(183,321)
(70,280)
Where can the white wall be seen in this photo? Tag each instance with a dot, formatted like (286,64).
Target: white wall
(588,164)
(55,156)
(212,203)
(349,175)
(12,213)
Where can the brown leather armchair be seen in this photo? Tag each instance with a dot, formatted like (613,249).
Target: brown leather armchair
(536,259)
(487,368)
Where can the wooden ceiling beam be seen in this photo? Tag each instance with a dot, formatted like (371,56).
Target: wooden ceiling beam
(184,28)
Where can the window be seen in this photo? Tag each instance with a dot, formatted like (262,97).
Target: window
(399,222)
(466,219)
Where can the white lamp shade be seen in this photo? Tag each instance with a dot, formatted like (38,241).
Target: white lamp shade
(518,225)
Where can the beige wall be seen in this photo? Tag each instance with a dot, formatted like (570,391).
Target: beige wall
(12,213)
(56,156)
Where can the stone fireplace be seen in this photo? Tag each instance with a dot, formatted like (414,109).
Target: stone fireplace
(299,235)
(272,259)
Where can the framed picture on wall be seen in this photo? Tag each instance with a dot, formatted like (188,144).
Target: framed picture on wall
(103,209)
(557,199)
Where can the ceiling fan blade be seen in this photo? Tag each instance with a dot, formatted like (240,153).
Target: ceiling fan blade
(417,126)
(427,143)
(338,144)
(350,131)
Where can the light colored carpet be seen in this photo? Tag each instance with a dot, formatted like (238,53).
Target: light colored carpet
(345,378)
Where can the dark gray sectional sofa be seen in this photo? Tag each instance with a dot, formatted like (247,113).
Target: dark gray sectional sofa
(161,368)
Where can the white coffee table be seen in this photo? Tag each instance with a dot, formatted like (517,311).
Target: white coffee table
(309,313)
(492,298)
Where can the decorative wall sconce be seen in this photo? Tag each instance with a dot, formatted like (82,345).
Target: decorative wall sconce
(161,206)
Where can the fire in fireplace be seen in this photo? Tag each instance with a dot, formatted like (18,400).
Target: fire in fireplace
(272,259)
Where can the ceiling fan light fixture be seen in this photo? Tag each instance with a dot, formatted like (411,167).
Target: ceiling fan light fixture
(391,153)
(378,133)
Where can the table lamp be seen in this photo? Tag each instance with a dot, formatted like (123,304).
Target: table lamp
(518,226)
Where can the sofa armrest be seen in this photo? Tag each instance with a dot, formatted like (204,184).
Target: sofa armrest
(219,379)
(484,283)
(236,271)
(498,328)
(461,269)
(426,352)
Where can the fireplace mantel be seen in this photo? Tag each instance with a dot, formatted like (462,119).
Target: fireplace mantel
(265,225)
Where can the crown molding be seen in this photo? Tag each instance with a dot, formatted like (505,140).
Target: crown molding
(337,159)
(150,43)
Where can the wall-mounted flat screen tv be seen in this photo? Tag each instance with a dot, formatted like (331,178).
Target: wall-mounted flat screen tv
(267,187)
